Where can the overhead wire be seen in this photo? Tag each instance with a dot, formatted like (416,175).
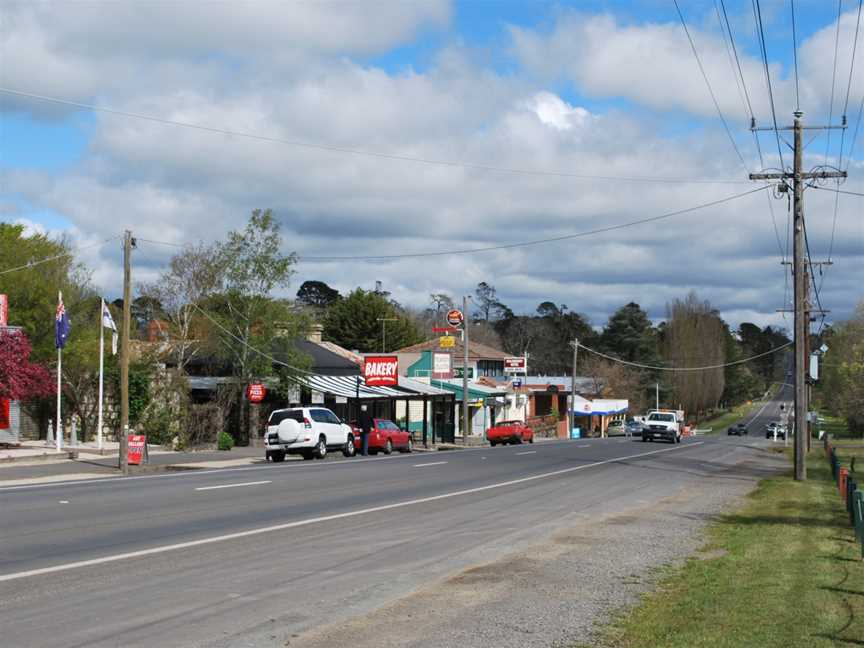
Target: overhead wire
(833,77)
(639,365)
(757,15)
(839,191)
(710,89)
(795,57)
(363,152)
(68,253)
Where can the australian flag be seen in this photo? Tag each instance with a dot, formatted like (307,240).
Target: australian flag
(62,324)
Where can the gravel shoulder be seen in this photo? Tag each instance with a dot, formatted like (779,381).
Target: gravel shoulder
(555,592)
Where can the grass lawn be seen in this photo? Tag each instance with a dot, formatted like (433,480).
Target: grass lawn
(782,571)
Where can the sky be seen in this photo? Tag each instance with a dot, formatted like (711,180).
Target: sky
(396,128)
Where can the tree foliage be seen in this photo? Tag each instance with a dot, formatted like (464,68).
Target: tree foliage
(317,294)
(354,322)
(21,379)
(842,373)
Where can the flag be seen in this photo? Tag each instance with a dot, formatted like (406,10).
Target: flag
(62,325)
(108,322)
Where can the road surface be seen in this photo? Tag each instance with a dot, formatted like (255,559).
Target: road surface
(262,555)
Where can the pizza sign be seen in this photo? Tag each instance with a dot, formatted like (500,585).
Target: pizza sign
(256,393)
(381,371)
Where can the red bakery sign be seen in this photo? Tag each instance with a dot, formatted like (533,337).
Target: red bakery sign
(256,393)
(381,371)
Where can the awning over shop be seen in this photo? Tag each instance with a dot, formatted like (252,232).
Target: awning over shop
(342,386)
(599,407)
(476,391)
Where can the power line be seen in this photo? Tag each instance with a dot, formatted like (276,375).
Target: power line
(708,85)
(838,191)
(795,57)
(33,264)
(362,152)
(508,246)
(705,368)
(833,76)
(849,85)
(757,15)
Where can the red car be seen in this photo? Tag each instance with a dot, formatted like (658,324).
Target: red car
(386,437)
(510,432)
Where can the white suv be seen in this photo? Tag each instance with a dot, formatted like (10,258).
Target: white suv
(307,431)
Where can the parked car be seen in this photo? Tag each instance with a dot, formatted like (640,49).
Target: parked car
(616,428)
(385,437)
(307,431)
(633,428)
(509,432)
(739,429)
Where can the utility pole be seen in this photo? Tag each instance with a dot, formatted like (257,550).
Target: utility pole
(799,275)
(657,395)
(571,414)
(465,322)
(128,243)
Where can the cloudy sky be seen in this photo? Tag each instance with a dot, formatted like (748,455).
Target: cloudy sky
(552,119)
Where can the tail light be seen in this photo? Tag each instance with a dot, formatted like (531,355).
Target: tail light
(307,423)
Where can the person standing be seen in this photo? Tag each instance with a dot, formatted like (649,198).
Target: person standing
(366,423)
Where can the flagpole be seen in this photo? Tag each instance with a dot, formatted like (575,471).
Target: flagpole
(101,371)
(59,434)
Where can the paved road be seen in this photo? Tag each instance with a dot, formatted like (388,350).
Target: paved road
(256,555)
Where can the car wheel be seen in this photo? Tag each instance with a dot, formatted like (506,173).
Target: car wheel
(517,441)
(349,450)
(388,447)
(410,447)
(644,439)
(276,457)
(492,443)
(531,440)
(321,448)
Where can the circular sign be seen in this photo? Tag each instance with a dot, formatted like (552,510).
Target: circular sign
(256,393)
(455,317)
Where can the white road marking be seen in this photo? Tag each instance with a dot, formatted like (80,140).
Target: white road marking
(258,483)
(63,502)
(527,452)
(434,463)
(324,518)
(584,445)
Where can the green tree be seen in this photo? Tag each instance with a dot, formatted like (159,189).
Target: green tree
(842,380)
(317,294)
(629,335)
(354,322)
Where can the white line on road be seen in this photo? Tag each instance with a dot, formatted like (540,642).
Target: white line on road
(324,518)
(258,483)
(584,445)
(527,452)
(434,463)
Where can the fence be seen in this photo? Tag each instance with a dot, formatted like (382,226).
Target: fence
(847,486)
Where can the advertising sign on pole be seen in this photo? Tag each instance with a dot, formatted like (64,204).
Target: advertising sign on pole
(256,393)
(514,365)
(447,342)
(455,317)
(442,366)
(381,371)
(137,449)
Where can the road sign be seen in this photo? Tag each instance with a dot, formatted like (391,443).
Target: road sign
(517,384)
(256,393)
(137,452)
(514,365)
(442,366)
(455,317)
(447,342)
(381,371)
(444,329)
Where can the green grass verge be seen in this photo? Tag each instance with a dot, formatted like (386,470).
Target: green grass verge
(782,571)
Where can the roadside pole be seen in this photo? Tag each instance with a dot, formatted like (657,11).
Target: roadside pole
(101,372)
(124,352)
(465,321)
(571,413)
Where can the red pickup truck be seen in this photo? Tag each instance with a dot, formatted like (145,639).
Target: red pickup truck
(386,437)
(510,432)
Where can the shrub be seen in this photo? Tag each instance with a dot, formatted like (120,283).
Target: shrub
(226,441)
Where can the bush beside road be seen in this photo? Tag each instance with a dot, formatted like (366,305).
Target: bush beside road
(783,571)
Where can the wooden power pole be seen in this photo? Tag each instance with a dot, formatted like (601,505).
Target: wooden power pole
(800,279)
(124,352)
(465,328)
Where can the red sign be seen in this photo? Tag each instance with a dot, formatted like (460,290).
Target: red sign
(137,449)
(381,371)
(444,329)
(5,418)
(455,317)
(514,365)
(256,393)
(4,310)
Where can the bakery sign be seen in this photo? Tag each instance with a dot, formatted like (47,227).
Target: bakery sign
(381,371)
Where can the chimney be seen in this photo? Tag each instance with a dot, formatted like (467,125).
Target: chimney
(315,332)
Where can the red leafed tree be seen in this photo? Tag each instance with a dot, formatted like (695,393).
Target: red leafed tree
(21,379)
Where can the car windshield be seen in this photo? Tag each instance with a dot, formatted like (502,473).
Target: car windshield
(661,417)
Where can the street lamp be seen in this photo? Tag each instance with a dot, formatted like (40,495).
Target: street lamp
(384,321)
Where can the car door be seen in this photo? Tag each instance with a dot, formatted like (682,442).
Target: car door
(338,432)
